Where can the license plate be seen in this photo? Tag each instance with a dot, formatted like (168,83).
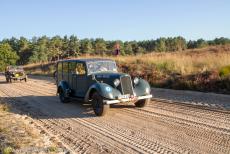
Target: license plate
(124,96)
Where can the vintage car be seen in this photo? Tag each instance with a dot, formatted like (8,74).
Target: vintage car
(13,73)
(97,81)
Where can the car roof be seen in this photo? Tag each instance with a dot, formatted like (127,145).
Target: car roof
(12,66)
(86,60)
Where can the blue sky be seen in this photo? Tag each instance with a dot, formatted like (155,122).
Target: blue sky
(115,19)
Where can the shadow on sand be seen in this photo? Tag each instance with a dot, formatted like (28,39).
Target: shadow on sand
(49,107)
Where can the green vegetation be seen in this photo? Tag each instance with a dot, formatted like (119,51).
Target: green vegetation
(52,149)
(7,56)
(8,150)
(225,71)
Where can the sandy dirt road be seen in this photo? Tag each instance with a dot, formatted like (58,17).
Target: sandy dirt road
(158,128)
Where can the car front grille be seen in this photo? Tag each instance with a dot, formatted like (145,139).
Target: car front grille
(126,85)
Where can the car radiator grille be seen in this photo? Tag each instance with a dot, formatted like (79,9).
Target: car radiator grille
(126,85)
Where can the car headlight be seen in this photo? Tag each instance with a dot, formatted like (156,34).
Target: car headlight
(108,89)
(147,90)
(116,82)
(136,80)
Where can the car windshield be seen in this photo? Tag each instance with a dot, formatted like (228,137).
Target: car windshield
(15,68)
(101,66)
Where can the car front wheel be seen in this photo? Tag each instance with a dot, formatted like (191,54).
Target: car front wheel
(142,103)
(99,107)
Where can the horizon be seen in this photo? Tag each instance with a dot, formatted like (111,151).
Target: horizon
(115,20)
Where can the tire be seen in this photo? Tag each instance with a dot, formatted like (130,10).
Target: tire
(142,103)
(25,79)
(62,97)
(99,107)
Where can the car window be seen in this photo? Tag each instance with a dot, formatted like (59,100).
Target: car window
(80,69)
(59,67)
(65,67)
(101,66)
(14,69)
(72,67)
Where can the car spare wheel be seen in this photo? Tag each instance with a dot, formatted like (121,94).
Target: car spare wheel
(142,103)
(99,107)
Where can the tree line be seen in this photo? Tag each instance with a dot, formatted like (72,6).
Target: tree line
(44,49)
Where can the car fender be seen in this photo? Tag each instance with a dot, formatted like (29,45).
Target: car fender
(104,90)
(142,88)
(65,87)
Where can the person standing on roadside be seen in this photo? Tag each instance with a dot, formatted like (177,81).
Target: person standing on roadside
(117,49)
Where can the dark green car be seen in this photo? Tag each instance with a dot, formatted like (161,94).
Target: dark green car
(98,81)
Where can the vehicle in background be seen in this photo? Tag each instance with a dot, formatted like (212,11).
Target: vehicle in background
(97,81)
(15,73)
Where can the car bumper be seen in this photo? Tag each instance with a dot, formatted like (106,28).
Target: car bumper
(127,99)
(18,78)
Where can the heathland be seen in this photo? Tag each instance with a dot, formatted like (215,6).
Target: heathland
(205,69)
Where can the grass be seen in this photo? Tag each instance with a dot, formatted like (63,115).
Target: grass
(188,62)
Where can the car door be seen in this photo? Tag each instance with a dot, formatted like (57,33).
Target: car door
(80,80)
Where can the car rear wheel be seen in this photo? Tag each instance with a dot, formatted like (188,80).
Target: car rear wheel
(99,107)
(62,97)
(142,103)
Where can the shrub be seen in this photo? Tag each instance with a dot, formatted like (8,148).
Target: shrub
(224,71)
(7,150)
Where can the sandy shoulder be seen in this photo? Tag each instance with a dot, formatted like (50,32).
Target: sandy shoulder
(19,134)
